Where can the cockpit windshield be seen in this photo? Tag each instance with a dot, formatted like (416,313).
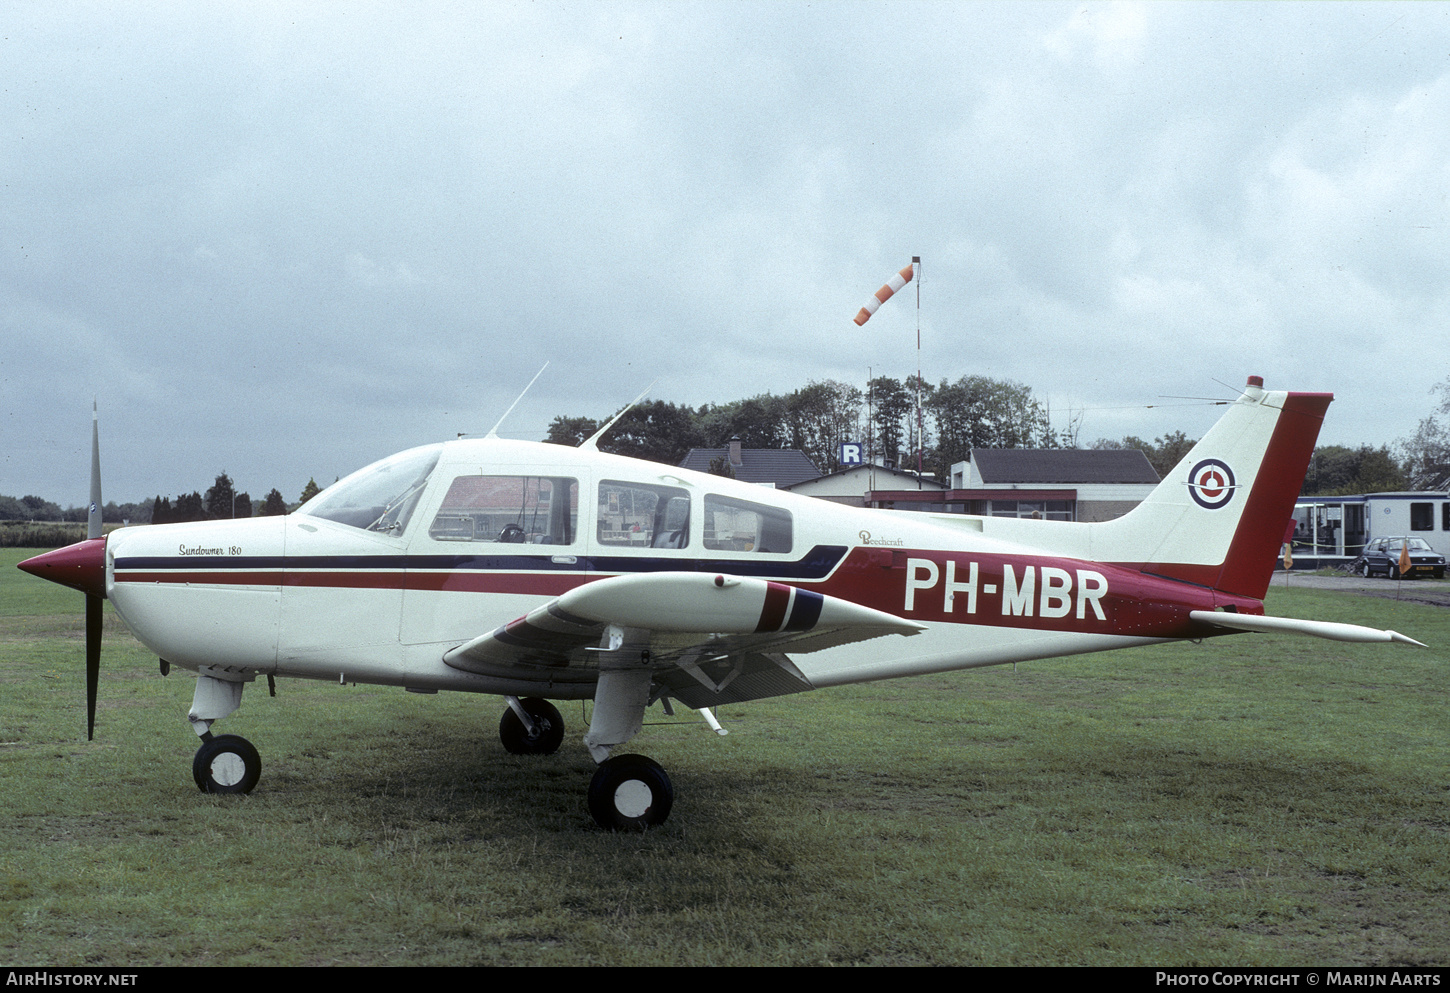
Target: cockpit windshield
(380,497)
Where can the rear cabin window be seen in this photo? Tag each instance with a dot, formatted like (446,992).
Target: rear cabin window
(522,510)
(642,515)
(733,525)
(1445,517)
(1422,517)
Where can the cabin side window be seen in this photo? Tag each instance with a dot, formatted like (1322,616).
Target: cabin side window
(643,515)
(1422,517)
(522,510)
(733,525)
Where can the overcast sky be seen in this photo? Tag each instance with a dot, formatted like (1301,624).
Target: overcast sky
(284,240)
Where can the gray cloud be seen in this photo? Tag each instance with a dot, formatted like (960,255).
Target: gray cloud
(284,242)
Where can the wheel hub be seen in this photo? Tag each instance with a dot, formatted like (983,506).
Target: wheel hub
(633,798)
(228,769)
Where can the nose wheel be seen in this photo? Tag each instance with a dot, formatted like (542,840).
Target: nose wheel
(227,763)
(630,793)
(543,733)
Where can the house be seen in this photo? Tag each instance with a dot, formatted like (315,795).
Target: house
(775,467)
(1056,484)
(853,485)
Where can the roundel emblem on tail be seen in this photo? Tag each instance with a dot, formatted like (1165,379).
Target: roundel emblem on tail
(1211,484)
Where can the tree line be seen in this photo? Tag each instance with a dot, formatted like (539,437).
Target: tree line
(220,501)
(974,411)
(34,508)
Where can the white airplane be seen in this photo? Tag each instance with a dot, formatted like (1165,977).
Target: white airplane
(539,572)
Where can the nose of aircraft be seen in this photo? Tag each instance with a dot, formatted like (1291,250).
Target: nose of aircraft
(81,566)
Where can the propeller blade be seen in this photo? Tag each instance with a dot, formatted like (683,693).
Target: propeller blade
(94,607)
(93,514)
(93,661)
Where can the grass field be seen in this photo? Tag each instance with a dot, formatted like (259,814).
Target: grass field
(1252,800)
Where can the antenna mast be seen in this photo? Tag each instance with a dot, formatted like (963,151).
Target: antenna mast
(493,431)
(592,442)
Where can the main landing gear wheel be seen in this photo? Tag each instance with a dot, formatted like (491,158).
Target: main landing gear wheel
(226,764)
(630,793)
(548,728)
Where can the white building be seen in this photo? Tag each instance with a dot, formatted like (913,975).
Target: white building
(1065,484)
(855,485)
(1331,531)
(1055,484)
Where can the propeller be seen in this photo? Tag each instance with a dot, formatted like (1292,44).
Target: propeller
(82,566)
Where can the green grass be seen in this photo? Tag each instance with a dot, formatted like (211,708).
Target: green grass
(1252,800)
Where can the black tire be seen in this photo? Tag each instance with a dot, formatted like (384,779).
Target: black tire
(548,728)
(630,793)
(1393,572)
(1364,569)
(226,764)
(1438,573)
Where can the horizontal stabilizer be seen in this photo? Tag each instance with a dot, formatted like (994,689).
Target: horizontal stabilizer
(1292,625)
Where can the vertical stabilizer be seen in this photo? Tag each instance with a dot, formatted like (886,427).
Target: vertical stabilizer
(1218,518)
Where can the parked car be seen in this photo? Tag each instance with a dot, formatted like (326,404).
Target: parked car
(1382,555)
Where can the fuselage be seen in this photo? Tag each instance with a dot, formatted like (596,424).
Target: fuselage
(531,570)
(380,576)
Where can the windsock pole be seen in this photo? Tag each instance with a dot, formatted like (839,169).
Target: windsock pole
(895,283)
(920,438)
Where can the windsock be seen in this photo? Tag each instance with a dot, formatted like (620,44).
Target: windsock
(882,295)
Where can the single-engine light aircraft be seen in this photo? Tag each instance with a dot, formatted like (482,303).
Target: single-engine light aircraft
(538,572)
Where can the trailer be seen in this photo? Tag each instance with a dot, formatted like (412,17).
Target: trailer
(1330,532)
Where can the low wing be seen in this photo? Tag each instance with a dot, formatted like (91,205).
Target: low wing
(709,638)
(1292,625)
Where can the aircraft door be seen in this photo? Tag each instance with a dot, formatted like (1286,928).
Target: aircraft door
(499,542)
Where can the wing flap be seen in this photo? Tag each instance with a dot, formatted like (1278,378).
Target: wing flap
(733,679)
